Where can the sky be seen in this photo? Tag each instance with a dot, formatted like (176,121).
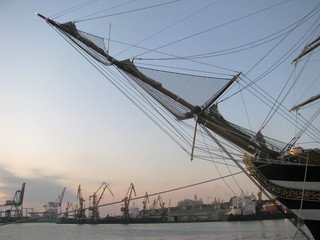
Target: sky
(63,124)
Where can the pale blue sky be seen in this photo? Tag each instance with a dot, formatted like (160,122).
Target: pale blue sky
(63,124)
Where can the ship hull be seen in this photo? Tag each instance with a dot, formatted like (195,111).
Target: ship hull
(286,182)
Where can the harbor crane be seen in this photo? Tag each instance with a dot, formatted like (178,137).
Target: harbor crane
(154,206)
(144,203)
(158,204)
(66,213)
(161,204)
(16,205)
(127,199)
(60,198)
(81,211)
(94,210)
(53,208)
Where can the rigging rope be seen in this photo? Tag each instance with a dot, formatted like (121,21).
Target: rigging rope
(113,83)
(167,27)
(269,116)
(138,105)
(110,79)
(129,11)
(248,175)
(104,10)
(245,108)
(122,90)
(312,13)
(152,105)
(213,28)
(289,32)
(220,172)
(268,100)
(72,9)
(134,100)
(272,112)
(227,51)
(168,54)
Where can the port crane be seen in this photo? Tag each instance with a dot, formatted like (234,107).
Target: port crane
(144,203)
(161,204)
(16,205)
(60,199)
(158,204)
(53,208)
(127,199)
(94,210)
(81,211)
(66,213)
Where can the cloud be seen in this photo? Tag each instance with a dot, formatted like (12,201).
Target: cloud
(39,190)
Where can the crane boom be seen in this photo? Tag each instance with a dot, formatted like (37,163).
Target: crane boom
(81,211)
(94,209)
(106,186)
(127,200)
(144,203)
(60,198)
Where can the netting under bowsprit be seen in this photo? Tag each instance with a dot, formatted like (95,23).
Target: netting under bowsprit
(196,90)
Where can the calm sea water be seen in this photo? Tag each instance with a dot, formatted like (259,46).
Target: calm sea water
(278,229)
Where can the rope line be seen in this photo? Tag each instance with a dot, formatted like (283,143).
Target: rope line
(129,11)
(167,27)
(213,28)
(72,9)
(225,182)
(104,10)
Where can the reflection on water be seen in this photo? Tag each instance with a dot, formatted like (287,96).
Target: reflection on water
(271,229)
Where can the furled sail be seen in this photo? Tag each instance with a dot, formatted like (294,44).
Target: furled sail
(310,100)
(310,47)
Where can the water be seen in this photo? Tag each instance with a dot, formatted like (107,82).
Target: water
(271,229)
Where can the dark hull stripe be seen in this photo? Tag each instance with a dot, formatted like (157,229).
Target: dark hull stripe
(289,172)
(295,204)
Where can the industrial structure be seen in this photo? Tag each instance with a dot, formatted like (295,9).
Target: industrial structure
(53,209)
(158,207)
(66,213)
(240,208)
(94,210)
(144,204)
(127,200)
(243,205)
(80,212)
(14,207)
